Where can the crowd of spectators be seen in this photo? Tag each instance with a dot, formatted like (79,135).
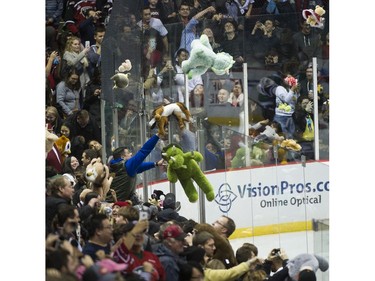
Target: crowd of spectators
(87,236)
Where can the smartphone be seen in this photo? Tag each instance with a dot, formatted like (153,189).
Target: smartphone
(87,44)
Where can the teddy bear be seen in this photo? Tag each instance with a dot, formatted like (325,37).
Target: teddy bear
(160,116)
(306,261)
(184,167)
(290,144)
(63,145)
(224,251)
(314,17)
(202,58)
(97,174)
(120,79)
(284,146)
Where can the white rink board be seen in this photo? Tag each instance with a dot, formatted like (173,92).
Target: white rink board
(262,196)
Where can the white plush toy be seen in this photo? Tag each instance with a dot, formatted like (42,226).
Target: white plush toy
(202,58)
(120,79)
(269,133)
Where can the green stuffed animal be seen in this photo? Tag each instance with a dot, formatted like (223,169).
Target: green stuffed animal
(184,167)
(239,160)
(256,154)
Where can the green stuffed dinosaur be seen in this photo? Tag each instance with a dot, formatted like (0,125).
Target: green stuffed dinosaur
(184,167)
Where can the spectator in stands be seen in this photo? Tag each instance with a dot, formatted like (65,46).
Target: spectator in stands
(97,146)
(69,96)
(100,236)
(222,97)
(232,43)
(224,251)
(52,75)
(307,87)
(65,130)
(303,117)
(264,42)
(87,156)
(94,54)
(79,8)
(70,166)
(216,47)
(196,100)
(307,44)
(83,129)
(53,120)
(132,253)
(168,11)
(54,9)
(236,97)
(176,29)
(155,9)
(286,99)
(181,55)
(148,22)
(225,226)
(88,26)
(75,57)
(61,194)
(168,251)
(166,85)
(169,210)
(206,241)
(66,225)
(190,31)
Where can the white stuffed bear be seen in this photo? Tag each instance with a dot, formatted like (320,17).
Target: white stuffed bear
(120,79)
(270,134)
(202,58)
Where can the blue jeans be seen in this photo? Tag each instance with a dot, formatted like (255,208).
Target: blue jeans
(287,125)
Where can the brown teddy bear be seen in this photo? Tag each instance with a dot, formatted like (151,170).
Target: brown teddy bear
(224,251)
(160,116)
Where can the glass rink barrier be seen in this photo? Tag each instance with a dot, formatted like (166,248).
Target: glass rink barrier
(273,182)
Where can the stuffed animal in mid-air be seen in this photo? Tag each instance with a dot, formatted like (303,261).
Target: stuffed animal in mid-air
(203,58)
(98,175)
(314,17)
(120,79)
(160,116)
(184,168)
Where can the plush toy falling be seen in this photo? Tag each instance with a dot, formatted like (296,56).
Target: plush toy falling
(160,116)
(203,58)
(314,17)
(184,167)
(120,79)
